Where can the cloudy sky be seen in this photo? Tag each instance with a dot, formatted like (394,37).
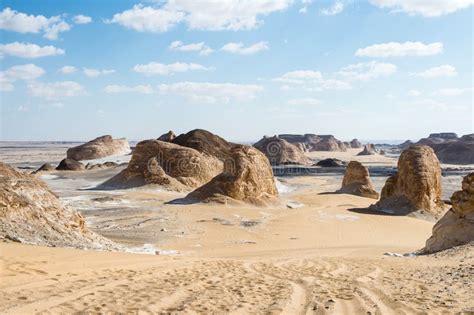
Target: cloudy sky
(376,69)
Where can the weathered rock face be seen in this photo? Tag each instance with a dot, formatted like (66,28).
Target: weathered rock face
(101,166)
(369,149)
(247,176)
(70,165)
(206,142)
(416,186)
(169,164)
(281,152)
(98,148)
(357,181)
(315,142)
(355,144)
(331,163)
(450,149)
(167,137)
(456,227)
(31,213)
(47,167)
(405,144)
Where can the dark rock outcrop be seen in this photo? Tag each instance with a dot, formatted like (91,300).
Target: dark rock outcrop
(450,149)
(99,148)
(355,144)
(205,142)
(369,149)
(357,181)
(70,165)
(281,152)
(247,176)
(46,167)
(331,163)
(417,185)
(167,137)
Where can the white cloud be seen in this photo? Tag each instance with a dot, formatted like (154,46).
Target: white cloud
(22,108)
(68,69)
(336,8)
(210,15)
(15,21)
(155,68)
(452,91)
(142,89)
(211,92)
(365,71)
(436,72)
(394,49)
(26,72)
(303,10)
(200,47)
(26,50)
(310,80)
(147,19)
(55,90)
(239,48)
(414,93)
(96,72)
(82,19)
(304,101)
(428,8)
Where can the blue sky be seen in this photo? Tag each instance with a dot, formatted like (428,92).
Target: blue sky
(378,69)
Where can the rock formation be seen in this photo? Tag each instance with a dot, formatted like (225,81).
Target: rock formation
(205,142)
(355,144)
(101,166)
(98,148)
(456,227)
(315,142)
(416,186)
(247,176)
(357,181)
(405,145)
(331,163)
(46,167)
(70,165)
(369,149)
(281,152)
(167,137)
(168,164)
(450,149)
(31,213)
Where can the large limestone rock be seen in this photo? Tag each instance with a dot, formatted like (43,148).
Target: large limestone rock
(70,165)
(369,149)
(281,152)
(31,213)
(168,164)
(99,148)
(355,144)
(315,142)
(205,142)
(416,186)
(167,137)
(357,181)
(247,176)
(456,227)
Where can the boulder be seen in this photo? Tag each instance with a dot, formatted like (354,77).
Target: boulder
(315,142)
(46,167)
(357,181)
(31,213)
(456,227)
(247,177)
(99,148)
(281,152)
(167,137)
(416,187)
(355,144)
(205,142)
(70,165)
(331,163)
(369,149)
(168,164)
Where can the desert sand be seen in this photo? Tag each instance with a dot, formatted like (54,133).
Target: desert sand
(315,252)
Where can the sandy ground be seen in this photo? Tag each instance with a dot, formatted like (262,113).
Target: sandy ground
(315,253)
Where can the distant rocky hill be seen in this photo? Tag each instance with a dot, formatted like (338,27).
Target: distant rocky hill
(314,142)
(281,152)
(451,149)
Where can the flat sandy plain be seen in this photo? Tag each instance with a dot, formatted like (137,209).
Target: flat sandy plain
(314,253)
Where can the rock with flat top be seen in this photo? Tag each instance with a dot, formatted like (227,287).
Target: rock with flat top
(281,152)
(99,148)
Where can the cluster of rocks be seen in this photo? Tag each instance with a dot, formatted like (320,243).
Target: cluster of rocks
(31,213)
(449,148)
(312,142)
(281,152)
(203,162)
